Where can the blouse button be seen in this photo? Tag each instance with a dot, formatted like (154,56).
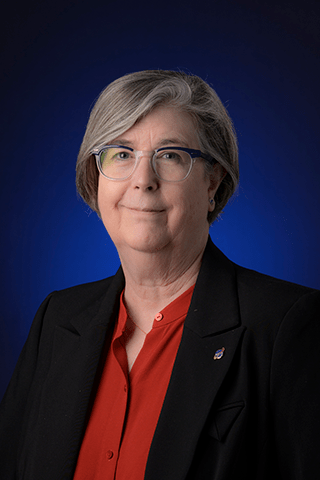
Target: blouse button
(158,317)
(109,454)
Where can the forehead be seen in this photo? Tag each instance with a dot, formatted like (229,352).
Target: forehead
(162,126)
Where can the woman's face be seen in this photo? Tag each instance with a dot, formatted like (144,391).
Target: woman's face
(146,214)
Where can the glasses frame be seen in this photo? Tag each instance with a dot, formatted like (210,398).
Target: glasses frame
(194,154)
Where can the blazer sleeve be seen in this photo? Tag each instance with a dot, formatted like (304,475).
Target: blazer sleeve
(295,390)
(14,406)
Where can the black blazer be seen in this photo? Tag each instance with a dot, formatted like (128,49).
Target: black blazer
(251,414)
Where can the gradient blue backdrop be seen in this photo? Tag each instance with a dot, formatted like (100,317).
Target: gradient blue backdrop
(263,60)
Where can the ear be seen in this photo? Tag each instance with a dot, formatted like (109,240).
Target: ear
(216,178)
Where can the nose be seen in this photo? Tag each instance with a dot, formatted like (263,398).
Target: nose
(144,176)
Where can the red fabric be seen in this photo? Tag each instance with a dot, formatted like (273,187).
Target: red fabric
(127,406)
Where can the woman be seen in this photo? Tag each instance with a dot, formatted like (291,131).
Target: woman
(183,365)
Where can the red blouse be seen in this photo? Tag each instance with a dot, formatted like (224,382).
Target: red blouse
(127,405)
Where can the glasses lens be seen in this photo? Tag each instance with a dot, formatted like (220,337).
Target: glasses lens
(117,162)
(172,165)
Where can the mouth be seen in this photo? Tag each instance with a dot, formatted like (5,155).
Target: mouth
(145,210)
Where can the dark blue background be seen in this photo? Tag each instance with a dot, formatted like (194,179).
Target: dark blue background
(262,57)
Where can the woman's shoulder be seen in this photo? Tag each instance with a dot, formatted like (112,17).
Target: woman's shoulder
(260,284)
(74,301)
(263,298)
(84,291)
(254,288)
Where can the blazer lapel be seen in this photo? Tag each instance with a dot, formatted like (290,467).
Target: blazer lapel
(210,338)
(68,389)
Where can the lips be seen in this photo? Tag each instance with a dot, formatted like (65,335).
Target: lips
(145,209)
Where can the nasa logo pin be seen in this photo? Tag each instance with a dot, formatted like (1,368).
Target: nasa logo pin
(219,354)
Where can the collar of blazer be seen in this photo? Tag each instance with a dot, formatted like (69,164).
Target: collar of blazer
(214,306)
(104,309)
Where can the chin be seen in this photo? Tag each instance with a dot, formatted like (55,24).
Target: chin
(147,244)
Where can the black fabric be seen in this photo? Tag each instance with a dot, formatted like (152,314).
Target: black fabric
(252,414)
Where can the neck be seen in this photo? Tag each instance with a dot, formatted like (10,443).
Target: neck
(153,280)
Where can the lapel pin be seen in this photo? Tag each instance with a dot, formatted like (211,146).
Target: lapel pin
(219,354)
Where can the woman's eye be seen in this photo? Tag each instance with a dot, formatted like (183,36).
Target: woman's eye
(116,156)
(172,156)
(121,156)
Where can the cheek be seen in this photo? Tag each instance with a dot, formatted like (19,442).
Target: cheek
(193,205)
(108,195)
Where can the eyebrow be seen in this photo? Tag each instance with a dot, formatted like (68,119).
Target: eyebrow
(164,142)
(121,141)
(172,141)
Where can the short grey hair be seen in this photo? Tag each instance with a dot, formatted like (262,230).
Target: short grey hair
(131,97)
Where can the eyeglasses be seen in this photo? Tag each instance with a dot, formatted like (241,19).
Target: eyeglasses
(171,164)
